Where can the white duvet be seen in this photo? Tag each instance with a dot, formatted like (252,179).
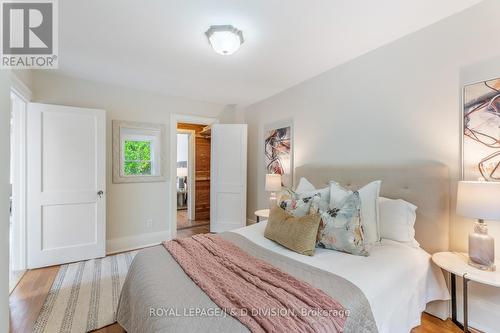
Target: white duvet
(398,280)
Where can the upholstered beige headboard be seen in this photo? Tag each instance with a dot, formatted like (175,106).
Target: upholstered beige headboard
(426,185)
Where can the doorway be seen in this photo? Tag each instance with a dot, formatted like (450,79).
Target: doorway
(193,178)
(17,221)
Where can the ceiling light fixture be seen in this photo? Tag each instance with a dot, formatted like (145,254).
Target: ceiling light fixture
(225,39)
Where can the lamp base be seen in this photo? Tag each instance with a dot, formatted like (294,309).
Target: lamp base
(490,268)
(273,201)
(481,248)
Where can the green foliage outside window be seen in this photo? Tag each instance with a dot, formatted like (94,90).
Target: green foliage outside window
(137,158)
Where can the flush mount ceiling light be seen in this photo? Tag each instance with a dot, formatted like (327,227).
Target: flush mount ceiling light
(225,39)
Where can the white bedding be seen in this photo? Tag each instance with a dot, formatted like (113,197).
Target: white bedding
(398,280)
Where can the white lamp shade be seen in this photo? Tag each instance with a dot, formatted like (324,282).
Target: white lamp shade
(479,200)
(273,182)
(182,172)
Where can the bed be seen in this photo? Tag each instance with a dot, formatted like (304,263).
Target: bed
(387,290)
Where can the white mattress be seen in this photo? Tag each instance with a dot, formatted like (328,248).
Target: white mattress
(398,280)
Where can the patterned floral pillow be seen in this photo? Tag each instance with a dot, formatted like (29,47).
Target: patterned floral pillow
(306,189)
(341,229)
(298,206)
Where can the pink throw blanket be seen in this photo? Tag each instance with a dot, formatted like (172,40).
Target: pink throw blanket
(260,296)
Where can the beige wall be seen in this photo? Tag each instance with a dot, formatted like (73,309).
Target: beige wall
(232,114)
(128,205)
(25,76)
(4,198)
(399,103)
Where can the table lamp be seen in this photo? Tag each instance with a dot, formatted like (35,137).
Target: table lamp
(480,200)
(273,184)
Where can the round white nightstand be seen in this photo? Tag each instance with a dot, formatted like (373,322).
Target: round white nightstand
(456,264)
(261,213)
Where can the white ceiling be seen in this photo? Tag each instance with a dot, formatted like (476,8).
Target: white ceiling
(160,46)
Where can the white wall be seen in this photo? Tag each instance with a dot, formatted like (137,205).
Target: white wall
(128,205)
(399,103)
(4,198)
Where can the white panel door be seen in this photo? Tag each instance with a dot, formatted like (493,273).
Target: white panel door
(228,178)
(66,184)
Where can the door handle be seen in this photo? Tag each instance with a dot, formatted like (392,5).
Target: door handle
(100,193)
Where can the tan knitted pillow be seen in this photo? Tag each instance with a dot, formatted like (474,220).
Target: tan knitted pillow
(296,233)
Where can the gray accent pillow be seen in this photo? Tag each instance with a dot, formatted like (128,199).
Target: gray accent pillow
(341,227)
(369,207)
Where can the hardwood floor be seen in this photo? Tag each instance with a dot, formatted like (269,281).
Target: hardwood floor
(28,297)
(183,222)
(431,324)
(193,231)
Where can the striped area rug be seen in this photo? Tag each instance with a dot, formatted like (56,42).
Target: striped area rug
(84,295)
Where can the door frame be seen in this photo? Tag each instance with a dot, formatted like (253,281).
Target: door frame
(191,165)
(19,186)
(24,93)
(176,118)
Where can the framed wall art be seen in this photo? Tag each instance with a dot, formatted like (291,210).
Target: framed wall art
(278,150)
(481,131)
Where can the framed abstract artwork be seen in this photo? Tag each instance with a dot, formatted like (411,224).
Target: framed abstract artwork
(481,131)
(278,150)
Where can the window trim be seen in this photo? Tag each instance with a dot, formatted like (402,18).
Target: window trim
(135,131)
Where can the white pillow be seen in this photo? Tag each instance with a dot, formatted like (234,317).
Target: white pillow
(397,220)
(304,186)
(369,207)
(306,189)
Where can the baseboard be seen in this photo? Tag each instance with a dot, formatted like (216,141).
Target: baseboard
(115,245)
(250,221)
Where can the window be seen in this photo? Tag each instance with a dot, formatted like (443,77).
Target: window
(140,151)
(137,152)
(137,159)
